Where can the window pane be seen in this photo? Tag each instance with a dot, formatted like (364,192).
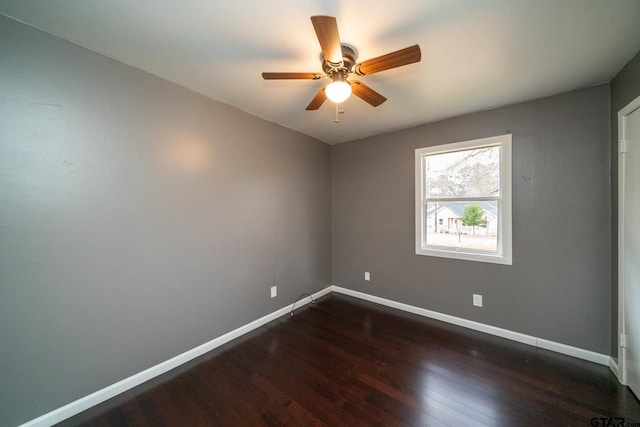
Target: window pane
(467,173)
(468,225)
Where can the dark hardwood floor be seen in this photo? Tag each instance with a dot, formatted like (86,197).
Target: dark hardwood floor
(346,362)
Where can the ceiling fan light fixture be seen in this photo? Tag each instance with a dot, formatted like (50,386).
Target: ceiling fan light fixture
(339,90)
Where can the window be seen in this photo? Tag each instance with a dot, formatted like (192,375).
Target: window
(463,200)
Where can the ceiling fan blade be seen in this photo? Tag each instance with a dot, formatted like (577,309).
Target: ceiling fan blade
(327,31)
(367,94)
(317,100)
(395,59)
(295,76)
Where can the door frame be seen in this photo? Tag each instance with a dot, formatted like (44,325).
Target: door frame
(622,114)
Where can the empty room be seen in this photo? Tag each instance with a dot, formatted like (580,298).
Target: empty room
(322,213)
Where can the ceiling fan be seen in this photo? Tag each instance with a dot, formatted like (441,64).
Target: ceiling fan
(339,64)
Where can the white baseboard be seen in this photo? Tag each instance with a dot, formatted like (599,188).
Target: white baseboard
(613,365)
(580,353)
(481,327)
(113,390)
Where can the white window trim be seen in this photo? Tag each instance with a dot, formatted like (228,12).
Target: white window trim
(504,253)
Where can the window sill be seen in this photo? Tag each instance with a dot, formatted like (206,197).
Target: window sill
(467,256)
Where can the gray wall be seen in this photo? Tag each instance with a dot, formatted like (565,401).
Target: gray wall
(558,287)
(137,220)
(625,87)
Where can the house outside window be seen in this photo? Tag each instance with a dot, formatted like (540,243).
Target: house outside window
(463,200)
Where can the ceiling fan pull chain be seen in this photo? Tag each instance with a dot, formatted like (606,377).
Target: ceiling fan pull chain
(337,120)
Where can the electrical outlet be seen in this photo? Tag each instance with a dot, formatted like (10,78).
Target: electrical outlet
(274,291)
(367,276)
(477,300)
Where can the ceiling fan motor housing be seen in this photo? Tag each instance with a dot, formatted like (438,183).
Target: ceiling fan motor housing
(349,56)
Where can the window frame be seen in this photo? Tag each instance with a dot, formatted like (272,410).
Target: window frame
(503,255)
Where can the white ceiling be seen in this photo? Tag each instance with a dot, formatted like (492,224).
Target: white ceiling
(476,54)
